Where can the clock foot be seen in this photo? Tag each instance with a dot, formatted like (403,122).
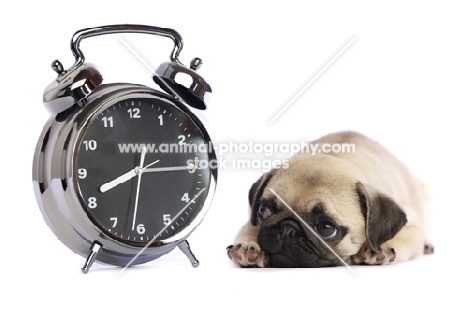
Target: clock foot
(185,248)
(93,251)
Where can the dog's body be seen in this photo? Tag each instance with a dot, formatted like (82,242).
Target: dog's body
(325,209)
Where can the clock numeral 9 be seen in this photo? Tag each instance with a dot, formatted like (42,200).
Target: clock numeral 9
(82,173)
(92,202)
(134,113)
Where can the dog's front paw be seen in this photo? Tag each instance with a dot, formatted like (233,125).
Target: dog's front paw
(428,248)
(366,256)
(247,255)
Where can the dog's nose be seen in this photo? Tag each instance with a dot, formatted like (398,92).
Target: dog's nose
(287,231)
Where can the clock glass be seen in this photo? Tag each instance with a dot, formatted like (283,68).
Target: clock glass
(142,170)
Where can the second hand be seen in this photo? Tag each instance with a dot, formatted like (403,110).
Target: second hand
(140,170)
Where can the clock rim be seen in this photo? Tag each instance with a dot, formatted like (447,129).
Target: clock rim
(54,185)
(96,108)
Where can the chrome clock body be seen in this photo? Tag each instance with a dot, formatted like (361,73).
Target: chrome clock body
(77,99)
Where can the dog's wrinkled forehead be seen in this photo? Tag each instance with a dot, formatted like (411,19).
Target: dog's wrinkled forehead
(308,181)
(302,188)
(304,185)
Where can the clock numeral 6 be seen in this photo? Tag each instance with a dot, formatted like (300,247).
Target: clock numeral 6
(141,229)
(92,202)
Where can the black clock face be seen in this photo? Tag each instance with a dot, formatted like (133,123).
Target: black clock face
(143,170)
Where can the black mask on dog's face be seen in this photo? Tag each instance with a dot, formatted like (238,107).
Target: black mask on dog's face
(293,240)
(305,236)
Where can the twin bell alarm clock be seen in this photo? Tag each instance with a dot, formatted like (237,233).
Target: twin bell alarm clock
(115,169)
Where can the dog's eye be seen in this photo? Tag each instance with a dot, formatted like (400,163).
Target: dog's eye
(264,212)
(327,229)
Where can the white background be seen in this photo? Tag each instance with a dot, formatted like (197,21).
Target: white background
(403,81)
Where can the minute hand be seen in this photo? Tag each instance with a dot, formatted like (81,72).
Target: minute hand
(170,168)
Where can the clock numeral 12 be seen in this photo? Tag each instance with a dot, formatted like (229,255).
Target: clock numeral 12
(134,113)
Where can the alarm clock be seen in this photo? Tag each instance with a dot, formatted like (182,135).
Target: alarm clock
(117,169)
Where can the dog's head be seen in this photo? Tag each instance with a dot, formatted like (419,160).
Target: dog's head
(317,209)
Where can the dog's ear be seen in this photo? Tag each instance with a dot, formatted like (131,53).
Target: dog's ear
(383,216)
(255,194)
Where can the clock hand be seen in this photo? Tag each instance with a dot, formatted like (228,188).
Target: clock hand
(123,178)
(151,164)
(166,169)
(119,180)
(142,160)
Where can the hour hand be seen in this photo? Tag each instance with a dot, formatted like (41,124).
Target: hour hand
(123,178)
(119,180)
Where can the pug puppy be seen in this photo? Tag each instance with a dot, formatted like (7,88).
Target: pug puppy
(332,209)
